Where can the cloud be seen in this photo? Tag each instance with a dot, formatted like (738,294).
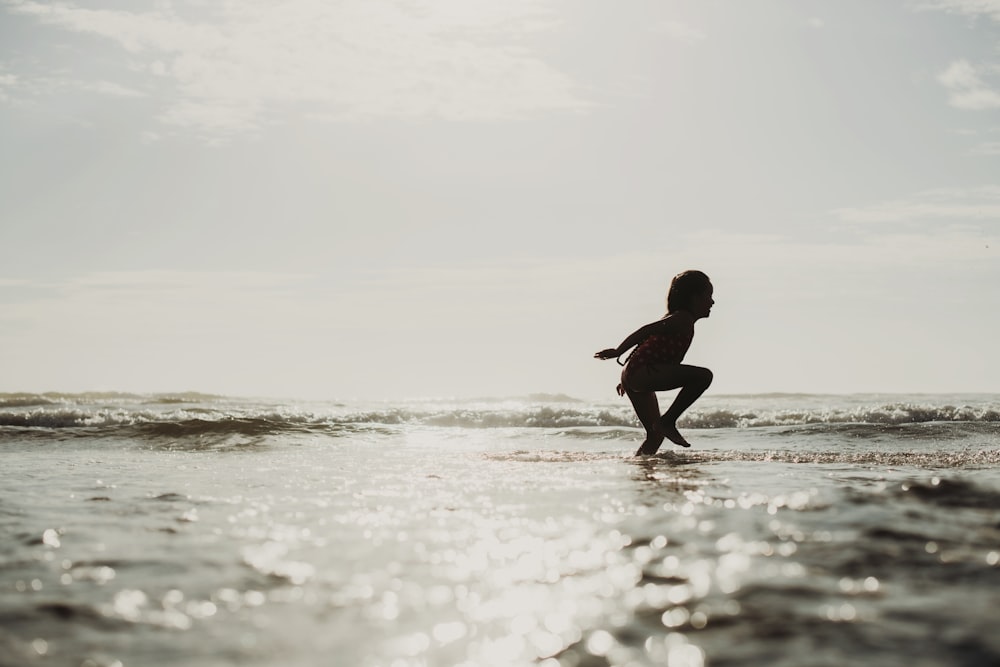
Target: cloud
(681,32)
(110,88)
(127,302)
(965,81)
(989,148)
(956,204)
(960,75)
(486,293)
(19,88)
(254,61)
(7,83)
(742,253)
(12,282)
(183,280)
(989,8)
(968,90)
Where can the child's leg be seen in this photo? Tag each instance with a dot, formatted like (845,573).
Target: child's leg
(692,381)
(647,409)
(695,381)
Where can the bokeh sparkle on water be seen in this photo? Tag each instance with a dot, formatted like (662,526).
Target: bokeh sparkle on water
(421,545)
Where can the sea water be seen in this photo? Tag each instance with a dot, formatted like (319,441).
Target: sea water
(202,530)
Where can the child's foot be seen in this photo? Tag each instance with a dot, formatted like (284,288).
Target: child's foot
(669,431)
(650,444)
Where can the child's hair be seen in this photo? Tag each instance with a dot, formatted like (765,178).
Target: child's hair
(684,287)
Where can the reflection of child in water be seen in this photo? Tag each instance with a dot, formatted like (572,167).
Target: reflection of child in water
(655,365)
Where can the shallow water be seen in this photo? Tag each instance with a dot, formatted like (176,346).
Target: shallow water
(209,531)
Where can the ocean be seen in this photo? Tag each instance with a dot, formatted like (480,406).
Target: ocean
(197,530)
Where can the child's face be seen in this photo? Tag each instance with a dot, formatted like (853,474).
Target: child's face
(703,302)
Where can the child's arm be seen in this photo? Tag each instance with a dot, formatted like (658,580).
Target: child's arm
(667,326)
(633,339)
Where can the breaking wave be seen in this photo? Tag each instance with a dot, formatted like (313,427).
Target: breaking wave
(192,415)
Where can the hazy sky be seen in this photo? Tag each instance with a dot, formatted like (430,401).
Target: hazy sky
(380,199)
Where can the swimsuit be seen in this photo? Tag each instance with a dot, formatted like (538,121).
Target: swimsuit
(657,349)
(660,349)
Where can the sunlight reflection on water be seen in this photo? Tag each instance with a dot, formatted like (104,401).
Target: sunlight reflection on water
(486,557)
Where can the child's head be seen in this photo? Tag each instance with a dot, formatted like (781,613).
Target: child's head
(685,288)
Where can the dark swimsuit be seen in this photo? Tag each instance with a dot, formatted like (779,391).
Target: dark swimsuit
(655,350)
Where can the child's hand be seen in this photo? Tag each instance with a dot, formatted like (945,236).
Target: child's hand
(609,353)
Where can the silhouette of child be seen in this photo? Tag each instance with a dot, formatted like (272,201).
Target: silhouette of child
(655,364)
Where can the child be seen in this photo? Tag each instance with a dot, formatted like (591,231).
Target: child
(655,365)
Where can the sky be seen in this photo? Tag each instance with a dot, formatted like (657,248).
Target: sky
(378,199)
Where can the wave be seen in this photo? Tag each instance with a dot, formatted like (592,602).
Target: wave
(186,422)
(27,399)
(889,414)
(916,459)
(947,459)
(578,414)
(194,415)
(195,421)
(24,400)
